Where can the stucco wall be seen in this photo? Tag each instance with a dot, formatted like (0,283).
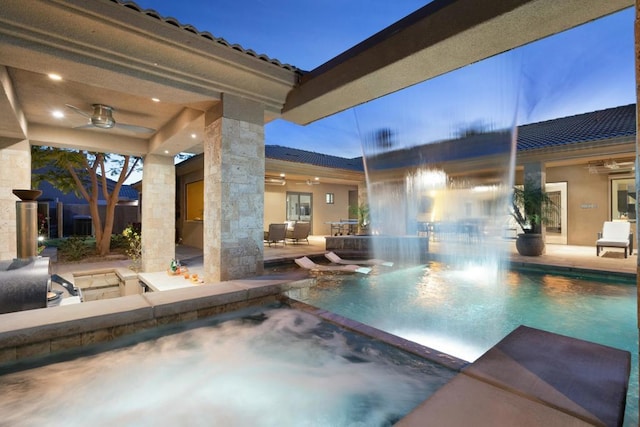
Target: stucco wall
(587,202)
(275,203)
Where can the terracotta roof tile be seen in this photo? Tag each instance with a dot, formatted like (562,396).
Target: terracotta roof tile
(596,125)
(204,34)
(309,157)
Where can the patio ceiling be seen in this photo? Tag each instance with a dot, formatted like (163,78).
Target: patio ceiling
(110,52)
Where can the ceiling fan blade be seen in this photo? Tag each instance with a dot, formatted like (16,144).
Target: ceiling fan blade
(79,111)
(87,126)
(134,128)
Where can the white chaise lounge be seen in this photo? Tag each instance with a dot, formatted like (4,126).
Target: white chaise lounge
(333,257)
(307,264)
(615,234)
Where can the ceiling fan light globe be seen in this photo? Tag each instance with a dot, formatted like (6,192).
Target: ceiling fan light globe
(102,116)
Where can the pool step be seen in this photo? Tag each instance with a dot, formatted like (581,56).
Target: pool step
(533,377)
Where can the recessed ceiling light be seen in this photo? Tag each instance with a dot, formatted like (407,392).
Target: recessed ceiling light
(166,151)
(193,135)
(316,178)
(57,114)
(282,174)
(155,99)
(54,76)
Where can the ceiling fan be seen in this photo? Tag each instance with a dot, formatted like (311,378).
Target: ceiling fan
(309,182)
(102,117)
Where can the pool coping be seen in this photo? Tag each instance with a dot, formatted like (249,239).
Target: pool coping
(40,332)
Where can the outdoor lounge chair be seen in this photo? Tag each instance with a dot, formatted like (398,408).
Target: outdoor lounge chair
(337,260)
(300,232)
(615,234)
(277,233)
(307,264)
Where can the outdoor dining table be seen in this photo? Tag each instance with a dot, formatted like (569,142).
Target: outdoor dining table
(342,227)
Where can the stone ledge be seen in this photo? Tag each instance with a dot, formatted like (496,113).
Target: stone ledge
(42,331)
(30,326)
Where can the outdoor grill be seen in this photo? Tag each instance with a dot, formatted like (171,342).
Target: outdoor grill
(24,281)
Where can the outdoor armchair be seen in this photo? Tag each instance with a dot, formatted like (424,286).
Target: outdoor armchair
(615,234)
(277,233)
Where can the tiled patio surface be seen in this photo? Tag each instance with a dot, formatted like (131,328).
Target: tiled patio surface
(556,256)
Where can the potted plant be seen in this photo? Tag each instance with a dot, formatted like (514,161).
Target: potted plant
(362,213)
(531,208)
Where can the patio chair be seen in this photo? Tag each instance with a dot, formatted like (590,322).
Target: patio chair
(307,264)
(277,233)
(331,256)
(300,232)
(615,234)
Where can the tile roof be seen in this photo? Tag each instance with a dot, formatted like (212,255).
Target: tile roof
(593,126)
(204,34)
(278,152)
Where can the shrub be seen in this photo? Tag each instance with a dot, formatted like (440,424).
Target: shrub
(74,248)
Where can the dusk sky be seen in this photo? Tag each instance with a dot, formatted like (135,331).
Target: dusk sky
(585,69)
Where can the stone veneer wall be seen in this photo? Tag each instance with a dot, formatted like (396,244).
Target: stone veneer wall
(158,212)
(16,173)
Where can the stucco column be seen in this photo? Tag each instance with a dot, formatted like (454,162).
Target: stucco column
(16,174)
(158,212)
(535,175)
(233,190)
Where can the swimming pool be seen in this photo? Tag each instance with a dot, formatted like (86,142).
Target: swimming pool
(465,311)
(263,366)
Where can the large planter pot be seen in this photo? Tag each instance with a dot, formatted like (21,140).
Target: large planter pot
(530,244)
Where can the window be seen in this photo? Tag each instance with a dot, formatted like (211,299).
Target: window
(195,201)
(623,199)
(329,198)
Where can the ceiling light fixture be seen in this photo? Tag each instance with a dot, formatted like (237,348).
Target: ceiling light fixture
(166,151)
(54,76)
(193,136)
(57,114)
(155,99)
(611,164)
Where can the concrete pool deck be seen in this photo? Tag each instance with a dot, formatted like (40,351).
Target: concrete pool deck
(43,331)
(556,257)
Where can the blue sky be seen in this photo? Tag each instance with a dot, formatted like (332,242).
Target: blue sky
(585,69)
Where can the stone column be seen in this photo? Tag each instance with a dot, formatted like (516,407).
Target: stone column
(233,190)
(15,174)
(158,212)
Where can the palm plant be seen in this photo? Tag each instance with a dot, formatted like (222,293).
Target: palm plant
(532,207)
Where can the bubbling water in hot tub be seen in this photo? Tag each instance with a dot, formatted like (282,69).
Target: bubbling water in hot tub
(275,367)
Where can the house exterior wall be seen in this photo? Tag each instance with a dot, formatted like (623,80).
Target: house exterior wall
(189,232)
(275,203)
(587,202)
(16,176)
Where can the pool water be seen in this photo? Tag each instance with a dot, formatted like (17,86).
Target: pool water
(265,366)
(465,311)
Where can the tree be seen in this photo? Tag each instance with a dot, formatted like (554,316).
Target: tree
(85,173)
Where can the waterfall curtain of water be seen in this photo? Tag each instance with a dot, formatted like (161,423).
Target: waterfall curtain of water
(449,173)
